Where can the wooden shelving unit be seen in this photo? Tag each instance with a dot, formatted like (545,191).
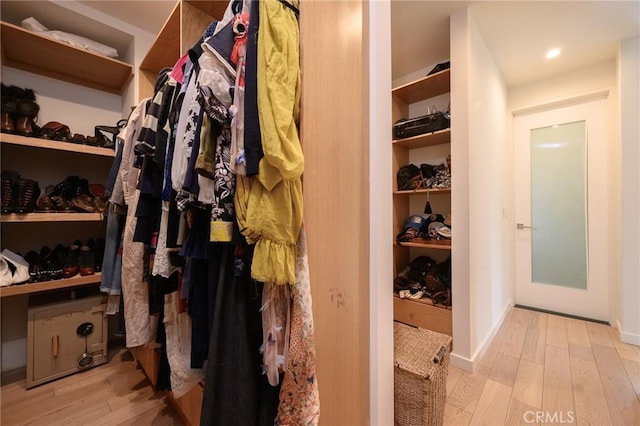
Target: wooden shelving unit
(424,88)
(419,313)
(50,217)
(432,244)
(423,313)
(32,52)
(183,27)
(428,139)
(14,290)
(6,138)
(424,191)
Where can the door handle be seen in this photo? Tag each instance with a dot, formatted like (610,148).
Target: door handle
(55,345)
(522,226)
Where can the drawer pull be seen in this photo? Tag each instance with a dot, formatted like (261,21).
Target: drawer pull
(55,343)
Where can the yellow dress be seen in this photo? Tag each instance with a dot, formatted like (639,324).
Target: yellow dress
(269,205)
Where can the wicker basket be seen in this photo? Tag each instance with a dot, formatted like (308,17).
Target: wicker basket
(422,364)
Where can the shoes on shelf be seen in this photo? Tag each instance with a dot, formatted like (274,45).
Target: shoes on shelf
(71,266)
(84,203)
(18,268)
(45,204)
(19,111)
(8,194)
(86,261)
(55,131)
(9,107)
(27,191)
(37,272)
(97,248)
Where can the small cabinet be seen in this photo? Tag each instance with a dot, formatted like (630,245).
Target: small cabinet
(420,312)
(65,337)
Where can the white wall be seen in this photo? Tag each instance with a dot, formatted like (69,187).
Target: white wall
(381,217)
(481,196)
(630,131)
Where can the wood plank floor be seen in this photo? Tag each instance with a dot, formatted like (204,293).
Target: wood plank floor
(536,363)
(548,369)
(116,393)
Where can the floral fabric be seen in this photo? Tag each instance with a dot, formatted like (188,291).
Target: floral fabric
(299,395)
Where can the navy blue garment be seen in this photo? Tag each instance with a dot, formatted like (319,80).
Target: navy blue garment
(235,390)
(252,136)
(113,172)
(191,177)
(195,245)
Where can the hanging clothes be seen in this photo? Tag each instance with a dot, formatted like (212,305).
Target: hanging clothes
(178,330)
(235,390)
(273,208)
(140,327)
(299,395)
(252,139)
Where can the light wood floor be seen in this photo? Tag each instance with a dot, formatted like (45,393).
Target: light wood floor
(536,363)
(571,371)
(117,393)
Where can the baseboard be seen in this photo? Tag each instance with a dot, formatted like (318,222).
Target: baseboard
(461,362)
(13,375)
(469,364)
(631,338)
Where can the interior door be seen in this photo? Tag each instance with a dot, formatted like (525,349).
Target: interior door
(561,209)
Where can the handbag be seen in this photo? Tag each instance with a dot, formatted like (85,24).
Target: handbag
(106,135)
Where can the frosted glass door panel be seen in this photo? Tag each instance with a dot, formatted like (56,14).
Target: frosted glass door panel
(558,205)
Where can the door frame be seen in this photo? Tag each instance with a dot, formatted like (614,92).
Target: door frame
(597,199)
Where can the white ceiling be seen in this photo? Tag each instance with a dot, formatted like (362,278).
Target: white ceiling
(518,33)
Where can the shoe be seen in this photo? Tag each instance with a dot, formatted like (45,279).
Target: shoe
(71,266)
(54,261)
(45,204)
(5,273)
(8,108)
(8,199)
(36,267)
(27,112)
(84,203)
(28,192)
(97,248)
(17,265)
(86,261)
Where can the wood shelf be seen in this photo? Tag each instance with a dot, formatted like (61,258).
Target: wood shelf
(424,88)
(424,191)
(32,52)
(428,139)
(50,217)
(165,50)
(14,290)
(6,138)
(422,313)
(432,244)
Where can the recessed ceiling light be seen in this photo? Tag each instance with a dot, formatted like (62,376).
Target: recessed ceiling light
(553,53)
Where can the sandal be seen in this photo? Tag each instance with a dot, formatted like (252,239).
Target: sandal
(55,131)
(79,139)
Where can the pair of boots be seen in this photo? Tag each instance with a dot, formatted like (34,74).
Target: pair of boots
(18,195)
(19,111)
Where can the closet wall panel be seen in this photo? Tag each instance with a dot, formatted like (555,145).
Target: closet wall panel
(334,135)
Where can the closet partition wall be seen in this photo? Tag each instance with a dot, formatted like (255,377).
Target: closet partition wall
(335,140)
